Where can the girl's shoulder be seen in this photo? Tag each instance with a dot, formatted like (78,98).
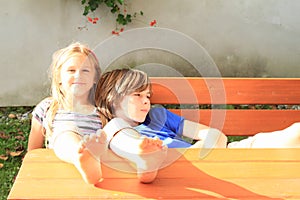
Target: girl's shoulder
(40,110)
(45,103)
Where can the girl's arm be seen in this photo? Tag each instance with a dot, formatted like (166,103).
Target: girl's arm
(209,137)
(37,133)
(36,137)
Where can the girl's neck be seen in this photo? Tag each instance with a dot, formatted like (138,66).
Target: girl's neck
(83,108)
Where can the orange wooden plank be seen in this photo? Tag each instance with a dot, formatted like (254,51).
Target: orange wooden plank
(207,188)
(190,154)
(242,122)
(222,173)
(187,90)
(256,162)
(254,169)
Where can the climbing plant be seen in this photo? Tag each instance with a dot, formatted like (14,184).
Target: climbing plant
(117,8)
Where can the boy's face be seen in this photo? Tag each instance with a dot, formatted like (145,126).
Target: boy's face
(134,107)
(77,77)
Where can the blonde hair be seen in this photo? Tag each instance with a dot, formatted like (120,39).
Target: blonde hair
(116,84)
(58,59)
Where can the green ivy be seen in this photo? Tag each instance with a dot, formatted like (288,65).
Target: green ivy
(117,7)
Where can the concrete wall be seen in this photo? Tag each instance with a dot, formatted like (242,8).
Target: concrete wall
(248,38)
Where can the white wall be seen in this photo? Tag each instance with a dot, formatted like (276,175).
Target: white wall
(244,37)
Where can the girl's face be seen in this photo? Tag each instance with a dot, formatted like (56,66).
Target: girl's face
(134,107)
(77,77)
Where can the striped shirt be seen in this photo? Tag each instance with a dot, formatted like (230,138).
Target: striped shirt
(83,124)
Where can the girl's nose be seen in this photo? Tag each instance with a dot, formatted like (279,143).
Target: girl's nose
(77,74)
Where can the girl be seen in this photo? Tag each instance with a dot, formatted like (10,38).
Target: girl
(70,113)
(71,122)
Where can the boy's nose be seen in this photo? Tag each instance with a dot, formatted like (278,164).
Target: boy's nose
(146,100)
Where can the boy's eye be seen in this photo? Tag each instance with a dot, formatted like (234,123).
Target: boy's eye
(86,70)
(71,70)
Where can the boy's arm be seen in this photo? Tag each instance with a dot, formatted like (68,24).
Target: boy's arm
(211,137)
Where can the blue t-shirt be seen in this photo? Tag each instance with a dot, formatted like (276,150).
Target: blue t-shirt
(166,125)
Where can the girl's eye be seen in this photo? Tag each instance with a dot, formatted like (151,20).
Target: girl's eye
(86,70)
(137,94)
(71,70)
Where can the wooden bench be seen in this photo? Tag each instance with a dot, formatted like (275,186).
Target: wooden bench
(192,173)
(257,92)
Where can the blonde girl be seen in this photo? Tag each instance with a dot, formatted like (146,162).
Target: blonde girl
(68,120)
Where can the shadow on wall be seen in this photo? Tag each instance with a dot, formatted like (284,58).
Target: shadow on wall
(166,64)
(236,66)
(12,97)
(156,63)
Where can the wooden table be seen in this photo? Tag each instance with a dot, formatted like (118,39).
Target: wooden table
(210,174)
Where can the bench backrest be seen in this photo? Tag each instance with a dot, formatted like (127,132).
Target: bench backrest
(220,102)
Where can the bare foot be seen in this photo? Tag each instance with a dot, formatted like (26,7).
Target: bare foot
(96,143)
(147,153)
(152,154)
(90,151)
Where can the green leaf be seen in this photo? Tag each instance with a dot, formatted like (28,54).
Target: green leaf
(115,9)
(86,10)
(110,3)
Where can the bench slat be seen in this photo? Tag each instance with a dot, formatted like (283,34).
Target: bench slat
(274,169)
(208,188)
(242,122)
(190,90)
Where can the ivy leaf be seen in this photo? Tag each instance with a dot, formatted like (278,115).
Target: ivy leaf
(110,3)
(121,1)
(86,10)
(115,9)
(128,18)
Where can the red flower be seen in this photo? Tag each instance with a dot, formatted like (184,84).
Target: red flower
(93,20)
(115,32)
(122,29)
(90,19)
(153,23)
